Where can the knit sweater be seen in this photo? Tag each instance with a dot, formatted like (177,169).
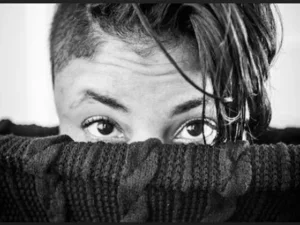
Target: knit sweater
(49,177)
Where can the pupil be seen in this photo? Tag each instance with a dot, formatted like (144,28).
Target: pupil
(105,127)
(194,129)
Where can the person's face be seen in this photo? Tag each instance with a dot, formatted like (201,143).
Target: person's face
(120,96)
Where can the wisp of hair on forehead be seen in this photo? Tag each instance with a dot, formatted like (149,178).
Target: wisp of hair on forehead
(236,44)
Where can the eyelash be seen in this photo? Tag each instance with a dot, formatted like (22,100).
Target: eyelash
(206,120)
(94,119)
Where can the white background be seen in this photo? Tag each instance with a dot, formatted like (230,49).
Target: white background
(25,78)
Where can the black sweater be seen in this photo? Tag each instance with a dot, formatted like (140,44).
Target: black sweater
(49,177)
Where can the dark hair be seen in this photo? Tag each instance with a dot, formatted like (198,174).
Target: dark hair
(236,44)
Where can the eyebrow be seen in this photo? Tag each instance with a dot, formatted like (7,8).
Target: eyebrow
(113,103)
(104,99)
(187,106)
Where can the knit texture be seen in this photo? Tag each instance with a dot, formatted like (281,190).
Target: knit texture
(53,178)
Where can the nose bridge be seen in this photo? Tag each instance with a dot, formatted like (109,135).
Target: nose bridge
(145,134)
(147,127)
(149,120)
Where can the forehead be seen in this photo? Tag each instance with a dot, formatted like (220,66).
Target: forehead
(118,70)
(144,55)
(146,52)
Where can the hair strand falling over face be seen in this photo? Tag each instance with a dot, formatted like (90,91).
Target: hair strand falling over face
(236,44)
(247,72)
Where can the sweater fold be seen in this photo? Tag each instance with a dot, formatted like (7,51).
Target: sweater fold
(55,179)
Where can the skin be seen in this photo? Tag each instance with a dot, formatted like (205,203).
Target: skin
(148,86)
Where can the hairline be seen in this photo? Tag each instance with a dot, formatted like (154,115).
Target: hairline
(143,47)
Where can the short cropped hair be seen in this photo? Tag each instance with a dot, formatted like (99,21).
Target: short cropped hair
(236,44)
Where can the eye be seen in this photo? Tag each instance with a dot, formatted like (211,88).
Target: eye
(192,131)
(100,128)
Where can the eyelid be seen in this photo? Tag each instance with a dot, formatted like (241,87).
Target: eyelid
(92,119)
(209,120)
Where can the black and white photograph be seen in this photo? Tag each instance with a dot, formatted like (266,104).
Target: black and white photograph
(149,112)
